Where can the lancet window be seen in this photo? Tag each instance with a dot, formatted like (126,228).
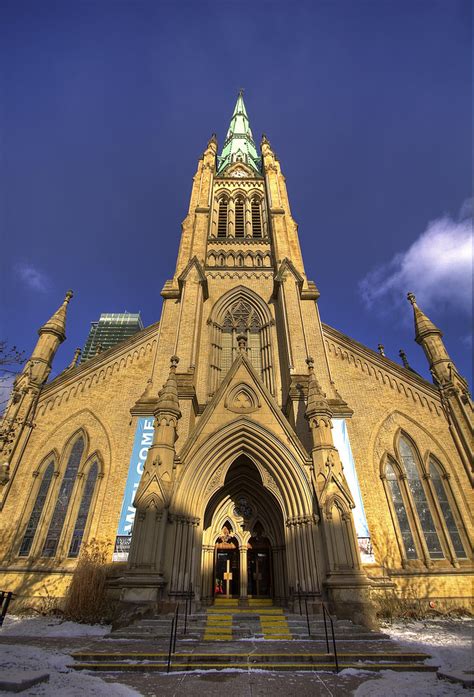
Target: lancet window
(222,218)
(239,218)
(66,514)
(421,503)
(256,218)
(64,496)
(83,511)
(441,486)
(36,512)
(241,319)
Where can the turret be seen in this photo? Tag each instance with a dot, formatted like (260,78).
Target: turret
(430,338)
(51,335)
(453,387)
(17,421)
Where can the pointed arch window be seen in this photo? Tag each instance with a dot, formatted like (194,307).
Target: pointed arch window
(440,485)
(35,516)
(400,512)
(241,318)
(239,218)
(417,491)
(83,511)
(64,496)
(222,218)
(256,218)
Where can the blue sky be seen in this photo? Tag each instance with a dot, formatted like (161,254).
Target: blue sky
(107,106)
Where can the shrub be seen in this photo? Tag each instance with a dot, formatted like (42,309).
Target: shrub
(86,599)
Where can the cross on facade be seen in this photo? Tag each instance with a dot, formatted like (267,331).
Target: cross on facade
(227,579)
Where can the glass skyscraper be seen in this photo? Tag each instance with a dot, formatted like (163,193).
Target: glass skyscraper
(111,328)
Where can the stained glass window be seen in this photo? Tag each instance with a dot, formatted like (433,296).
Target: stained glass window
(401,513)
(62,503)
(83,511)
(36,512)
(448,516)
(419,497)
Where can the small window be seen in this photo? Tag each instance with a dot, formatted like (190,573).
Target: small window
(36,512)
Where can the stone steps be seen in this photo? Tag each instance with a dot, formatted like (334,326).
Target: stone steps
(290,661)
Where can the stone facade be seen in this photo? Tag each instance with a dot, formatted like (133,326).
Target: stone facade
(242,469)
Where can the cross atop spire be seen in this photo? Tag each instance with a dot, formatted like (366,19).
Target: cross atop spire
(239,145)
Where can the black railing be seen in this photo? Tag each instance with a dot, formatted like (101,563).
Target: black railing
(5,598)
(326,614)
(173,633)
(187,603)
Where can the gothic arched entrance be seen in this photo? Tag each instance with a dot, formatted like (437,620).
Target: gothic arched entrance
(243,540)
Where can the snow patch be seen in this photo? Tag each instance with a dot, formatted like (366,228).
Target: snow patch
(50,627)
(62,680)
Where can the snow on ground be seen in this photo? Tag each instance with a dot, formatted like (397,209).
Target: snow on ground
(50,627)
(62,681)
(448,641)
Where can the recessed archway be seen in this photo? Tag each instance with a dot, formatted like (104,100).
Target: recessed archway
(243,518)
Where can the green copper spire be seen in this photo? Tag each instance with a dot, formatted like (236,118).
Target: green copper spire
(239,145)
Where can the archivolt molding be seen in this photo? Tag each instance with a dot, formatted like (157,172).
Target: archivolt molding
(207,464)
(81,422)
(77,385)
(245,294)
(382,443)
(383,376)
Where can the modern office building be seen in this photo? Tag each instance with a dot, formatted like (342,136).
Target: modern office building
(111,328)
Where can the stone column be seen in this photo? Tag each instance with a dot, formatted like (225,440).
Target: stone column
(243,572)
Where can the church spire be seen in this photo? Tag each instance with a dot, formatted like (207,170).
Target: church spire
(239,145)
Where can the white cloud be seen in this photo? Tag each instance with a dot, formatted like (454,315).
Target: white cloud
(32,277)
(437,268)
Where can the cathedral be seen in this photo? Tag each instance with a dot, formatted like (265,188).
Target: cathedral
(239,446)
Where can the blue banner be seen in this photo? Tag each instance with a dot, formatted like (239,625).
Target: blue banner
(141,445)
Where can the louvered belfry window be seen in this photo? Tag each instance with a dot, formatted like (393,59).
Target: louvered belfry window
(222,218)
(256,218)
(239,218)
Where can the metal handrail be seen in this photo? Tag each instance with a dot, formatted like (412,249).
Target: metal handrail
(189,597)
(174,631)
(326,612)
(5,598)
